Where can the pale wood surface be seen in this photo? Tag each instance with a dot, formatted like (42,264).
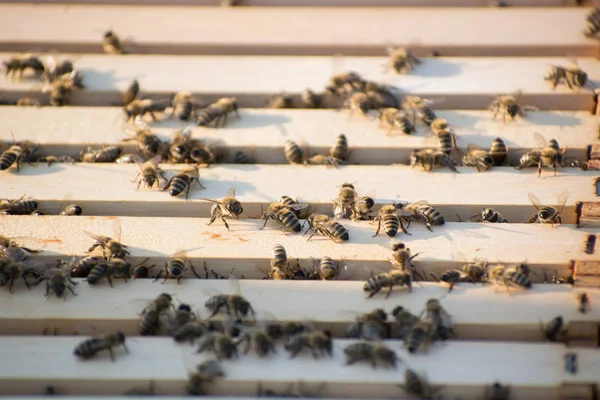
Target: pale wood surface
(532,370)
(464,83)
(357,31)
(248,249)
(506,318)
(66,131)
(466,192)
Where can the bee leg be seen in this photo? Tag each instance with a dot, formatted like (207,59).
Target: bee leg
(225,222)
(166,273)
(155,279)
(109,280)
(378,227)
(112,355)
(194,271)
(389,291)
(72,291)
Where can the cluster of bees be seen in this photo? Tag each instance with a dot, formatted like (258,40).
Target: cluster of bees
(338,154)
(28,206)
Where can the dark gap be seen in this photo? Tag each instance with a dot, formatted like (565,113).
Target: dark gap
(590,245)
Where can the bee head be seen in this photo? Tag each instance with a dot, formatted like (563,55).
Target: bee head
(120,337)
(381,315)
(397,310)
(545,214)
(487,213)
(184,307)
(235,207)
(398,246)
(108,34)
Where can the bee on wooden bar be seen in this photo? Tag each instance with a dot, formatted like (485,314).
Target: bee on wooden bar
(310,99)
(391,221)
(57,282)
(147,144)
(284,216)
(235,305)
(419,108)
(593,23)
(127,158)
(62,88)
(444,327)
(328,269)
(55,159)
(22,206)
(395,277)
(110,247)
(421,211)
(402,60)
(381,96)
(111,43)
(183,182)
(499,152)
(323,225)
(548,154)
(344,82)
(218,112)
(340,148)
(184,106)
(362,207)
(479,158)
(302,212)
(131,93)
(428,158)
(21,151)
(83,267)
(176,267)
(207,372)
(396,119)
(149,171)
(572,75)
(293,152)
(584,302)
(20,63)
(328,161)
(193,330)
(420,336)
(508,106)
(372,352)
(548,214)
(91,347)
(280,101)
(509,277)
(105,155)
(405,320)
(280,263)
(553,331)
(497,392)
(227,207)
(416,386)
(13,267)
(369,326)
(223,345)
(358,101)
(491,216)
(454,276)
(150,321)
(116,267)
(318,342)
(343,204)
(141,107)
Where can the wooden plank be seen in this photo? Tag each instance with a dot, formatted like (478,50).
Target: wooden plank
(66,131)
(258,185)
(587,273)
(216,30)
(590,214)
(464,83)
(507,318)
(531,370)
(511,243)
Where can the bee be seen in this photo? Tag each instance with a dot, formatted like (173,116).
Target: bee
(284,216)
(221,344)
(391,221)
(176,267)
(193,330)
(593,22)
(183,315)
(343,205)
(55,159)
(278,330)
(281,100)
(388,280)
(372,352)
(150,321)
(111,44)
(420,336)
(362,207)
(90,347)
(402,258)
(328,161)
(343,82)
(444,328)
(479,158)
(217,112)
(235,305)
(310,99)
(183,181)
(419,108)
(62,88)
(22,151)
(584,302)
(381,96)
(128,158)
(149,171)
(110,247)
(498,152)
(148,145)
(318,342)
(553,331)
(340,148)
(489,215)
(370,326)
(402,60)
(259,340)
(116,267)
(54,69)
(22,206)
(28,102)
(301,213)
(396,119)
(508,106)
(416,387)
(497,392)
(358,101)
(421,211)
(105,155)
(183,106)
(323,225)
(509,277)
(227,207)
(141,107)
(21,63)
(572,75)
(328,269)
(208,153)
(83,267)
(548,154)
(405,320)
(548,214)
(141,270)
(428,158)
(206,372)
(131,93)
(293,152)
(57,282)
(12,268)
(454,276)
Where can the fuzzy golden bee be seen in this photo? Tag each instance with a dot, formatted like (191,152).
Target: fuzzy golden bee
(508,106)
(104,155)
(499,152)
(402,60)
(388,280)
(419,108)
(429,158)
(479,158)
(183,182)
(391,221)
(396,119)
(372,352)
(572,75)
(547,154)
(323,225)
(343,204)
(422,212)
(111,43)
(317,342)
(284,216)
(141,107)
(91,347)
(548,214)
(227,207)
(218,112)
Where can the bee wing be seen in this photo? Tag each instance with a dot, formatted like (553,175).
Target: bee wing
(231,192)
(211,200)
(460,257)
(562,199)
(417,204)
(297,207)
(92,235)
(572,59)
(517,94)
(539,140)
(534,200)
(338,63)
(181,254)
(155,161)
(139,161)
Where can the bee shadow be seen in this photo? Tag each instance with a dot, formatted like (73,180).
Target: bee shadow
(249,120)
(36,169)
(547,118)
(437,67)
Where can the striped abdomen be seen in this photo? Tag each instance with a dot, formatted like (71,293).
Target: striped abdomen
(176,267)
(7,159)
(446,141)
(518,278)
(178,184)
(415,339)
(339,232)
(340,150)
(278,256)
(84,266)
(289,220)
(414,385)
(97,273)
(451,276)
(328,268)
(499,151)
(24,207)
(89,348)
(71,210)
(293,152)
(149,323)
(391,222)
(183,110)
(433,215)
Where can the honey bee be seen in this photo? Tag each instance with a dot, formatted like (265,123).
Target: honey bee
(205,373)
(259,340)
(110,247)
(193,330)
(223,345)
(115,268)
(362,207)
(402,258)
(235,305)
(554,331)
(208,153)
(301,213)
(147,144)
(584,302)
(55,159)
(183,315)
(548,154)
(343,205)
(328,161)
(444,327)
(284,216)
(318,342)
(343,82)
(370,326)
(548,214)
(293,152)
(227,207)
(391,221)
(183,181)
(381,96)
(111,44)
(454,276)
(62,88)
(176,267)
(141,270)
(388,280)
(83,267)
(328,269)
(180,145)
(508,106)
(405,320)
(280,264)
(149,171)
(420,336)
(428,158)
(489,215)
(57,282)
(421,211)
(499,152)
(131,93)
(396,119)
(21,63)
(375,353)
(593,23)
(150,321)
(281,100)
(90,347)
(53,69)
(479,158)
(402,60)
(340,148)
(310,99)
(22,206)
(358,101)
(13,267)
(21,151)
(420,108)
(416,386)
(497,392)
(572,75)
(323,225)
(183,106)
(509,277)
(105,155)
(141,107)
(217,112)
